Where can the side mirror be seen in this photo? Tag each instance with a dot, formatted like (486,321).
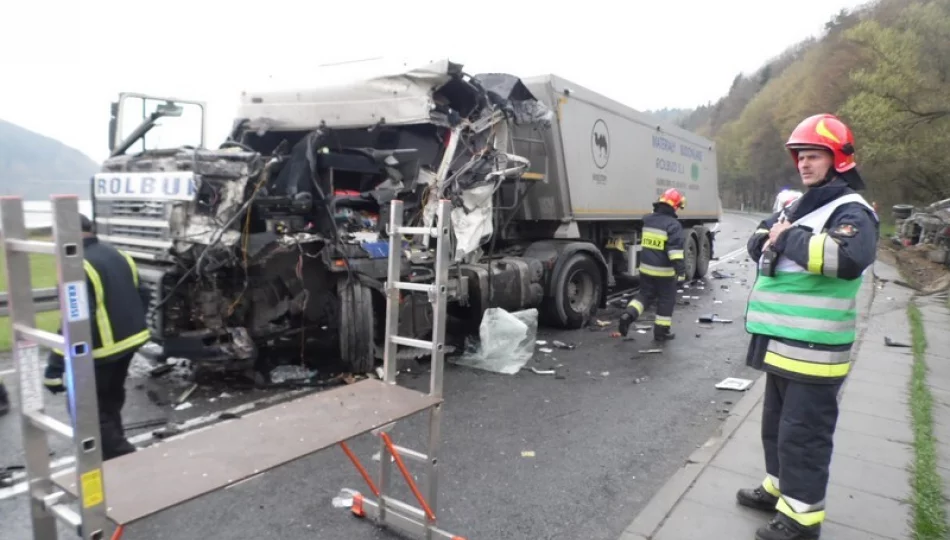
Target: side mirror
(113,124)
(169,109)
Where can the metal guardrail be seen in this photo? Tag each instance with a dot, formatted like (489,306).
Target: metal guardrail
(43,300)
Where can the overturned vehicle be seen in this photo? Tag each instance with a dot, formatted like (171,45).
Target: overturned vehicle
(273,248)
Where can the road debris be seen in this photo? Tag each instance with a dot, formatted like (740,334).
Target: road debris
(506,341)
(714,318)
(892,343)
(650,351)
(527,453)
(543,371)
(733,383)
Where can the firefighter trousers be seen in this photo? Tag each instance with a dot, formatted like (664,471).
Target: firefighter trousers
(661,290)
(798,425)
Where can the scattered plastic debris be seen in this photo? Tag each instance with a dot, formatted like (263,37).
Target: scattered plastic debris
(287,373)
(546,350)
(543,371)
(540,342)
(603,323)
(183,406)
(506,341)
(651,351)
(562,345)
(733,383)
(527,453)
(891,343)
(712,319)
(716,274)
(344,499)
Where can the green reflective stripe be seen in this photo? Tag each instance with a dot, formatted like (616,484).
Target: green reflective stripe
(797,283)
(818,318)
(660,320)
(135,270)
(102,316)
(807,354)
(675,254)
(122,346)
(820,302)
(658,271)
(635,304)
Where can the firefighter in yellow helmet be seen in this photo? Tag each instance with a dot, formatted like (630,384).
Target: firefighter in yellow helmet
(802,318)
(661,266)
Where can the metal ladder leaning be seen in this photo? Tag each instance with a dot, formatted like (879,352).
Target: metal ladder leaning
(49,503)
(416,521)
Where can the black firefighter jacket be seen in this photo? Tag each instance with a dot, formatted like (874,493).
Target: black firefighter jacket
(663,241)
(117,303)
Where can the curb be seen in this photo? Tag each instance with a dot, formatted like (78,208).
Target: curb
(649,520)
(654,514)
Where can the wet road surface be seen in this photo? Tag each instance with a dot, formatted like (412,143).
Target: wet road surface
(562,457)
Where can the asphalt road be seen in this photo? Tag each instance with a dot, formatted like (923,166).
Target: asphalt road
(523,456)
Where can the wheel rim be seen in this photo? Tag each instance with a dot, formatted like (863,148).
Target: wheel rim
(580,291)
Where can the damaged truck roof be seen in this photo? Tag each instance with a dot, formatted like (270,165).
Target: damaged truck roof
(402,98)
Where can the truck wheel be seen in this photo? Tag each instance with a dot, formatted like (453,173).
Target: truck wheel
(689,256)
(357,336)
(575,293)
(704,255)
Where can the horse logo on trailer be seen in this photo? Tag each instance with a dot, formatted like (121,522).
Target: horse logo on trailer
(600,144)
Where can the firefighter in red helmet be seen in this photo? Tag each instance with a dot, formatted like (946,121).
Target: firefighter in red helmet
(802,318)
(661,266)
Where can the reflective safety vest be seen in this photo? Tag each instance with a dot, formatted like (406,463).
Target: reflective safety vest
(810,305)
(107,345)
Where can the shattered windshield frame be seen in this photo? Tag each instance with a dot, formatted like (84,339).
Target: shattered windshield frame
(143,123)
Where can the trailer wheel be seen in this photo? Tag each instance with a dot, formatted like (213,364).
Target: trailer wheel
(704,255)
(576,293)
(357,335)
(689,256)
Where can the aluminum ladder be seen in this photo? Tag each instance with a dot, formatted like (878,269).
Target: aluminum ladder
(47,502)
(416,521)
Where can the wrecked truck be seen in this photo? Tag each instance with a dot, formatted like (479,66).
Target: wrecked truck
(273,246)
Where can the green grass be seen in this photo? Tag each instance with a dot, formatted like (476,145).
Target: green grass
(43,274)
(929,516)
(887,229)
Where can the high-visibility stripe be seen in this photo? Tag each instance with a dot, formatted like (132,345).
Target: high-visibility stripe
(808,354)
(135,270)
(661,320)
(806,514)
(675,254)
(637,305)
(807,368)
(770,485)
(823,255)
(657,271)
(108,345)
(801,300)
(654,239)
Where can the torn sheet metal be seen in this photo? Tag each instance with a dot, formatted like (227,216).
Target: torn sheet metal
(395,98)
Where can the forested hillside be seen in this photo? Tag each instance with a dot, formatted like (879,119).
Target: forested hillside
(34,166)
(884,68)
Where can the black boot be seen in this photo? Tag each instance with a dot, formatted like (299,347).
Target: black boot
(783,527)
(4,400)
(663,333)
(757,498)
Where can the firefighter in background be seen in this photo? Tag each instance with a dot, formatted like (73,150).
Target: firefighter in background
(802,318)
(4,399)
(661,266)
(117,319)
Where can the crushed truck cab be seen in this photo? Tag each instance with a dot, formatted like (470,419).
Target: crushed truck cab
(272,248)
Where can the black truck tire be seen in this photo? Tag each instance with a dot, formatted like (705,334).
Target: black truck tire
(575,293)
(689,255)
(357,328)
(704,254)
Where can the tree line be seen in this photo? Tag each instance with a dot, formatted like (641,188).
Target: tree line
(884,68)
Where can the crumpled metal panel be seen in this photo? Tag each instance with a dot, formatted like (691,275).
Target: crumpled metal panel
(398,99)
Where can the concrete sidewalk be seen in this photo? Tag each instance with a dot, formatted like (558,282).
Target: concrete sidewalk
(870,482)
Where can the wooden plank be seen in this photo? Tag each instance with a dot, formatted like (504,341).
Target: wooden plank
(171,473)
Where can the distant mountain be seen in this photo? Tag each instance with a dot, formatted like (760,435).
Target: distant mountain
(673,116)
(35,166)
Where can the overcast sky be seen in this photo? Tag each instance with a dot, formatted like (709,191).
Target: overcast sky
(62,61)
